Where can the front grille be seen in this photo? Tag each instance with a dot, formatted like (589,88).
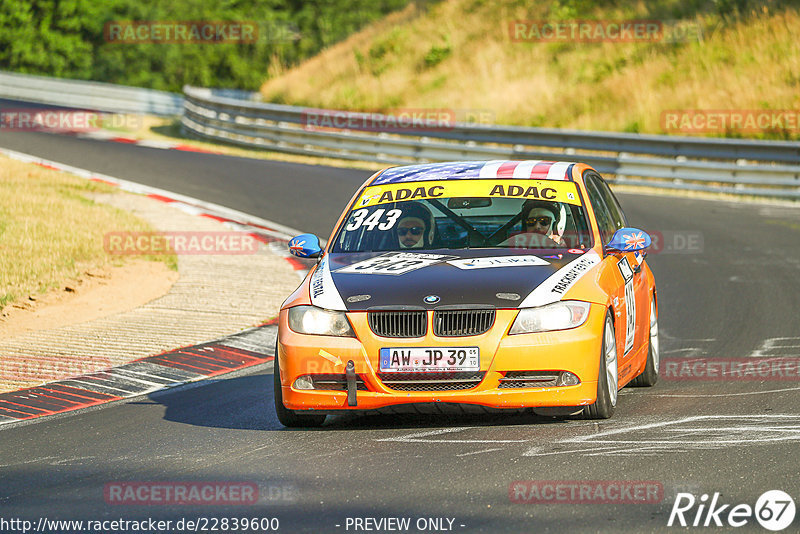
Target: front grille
(528,379)
(454,323)
(335,382)
(453,381)
(398,323)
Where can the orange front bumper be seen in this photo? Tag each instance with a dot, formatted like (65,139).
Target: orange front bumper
(576,350)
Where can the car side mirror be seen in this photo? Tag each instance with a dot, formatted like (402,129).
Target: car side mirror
(305,246)
(628,240)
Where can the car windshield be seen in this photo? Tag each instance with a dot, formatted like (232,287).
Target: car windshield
(506,215)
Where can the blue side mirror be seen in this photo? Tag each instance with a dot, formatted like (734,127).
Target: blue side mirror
(305,246)
(628,240)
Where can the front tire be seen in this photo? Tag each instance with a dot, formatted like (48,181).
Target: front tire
(608,377)
(649,376)
(287,417)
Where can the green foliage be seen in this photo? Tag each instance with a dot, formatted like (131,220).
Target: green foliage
(361,61)
(383,52)
(436,55)
(436,83)
(730,8)
(65,38)
(382,47)
(632,127)
(736,9)
(574,9)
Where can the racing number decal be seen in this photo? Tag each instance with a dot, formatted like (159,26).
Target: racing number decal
(360,219)
(630,303)
(394,263)
(387,264)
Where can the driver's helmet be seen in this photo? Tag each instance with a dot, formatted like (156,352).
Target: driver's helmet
(540,208)
(420,211)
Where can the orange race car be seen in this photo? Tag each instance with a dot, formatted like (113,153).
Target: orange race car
(503,284)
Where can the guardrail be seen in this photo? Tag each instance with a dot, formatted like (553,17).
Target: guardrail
(760,168)
(742,167)
(88,95)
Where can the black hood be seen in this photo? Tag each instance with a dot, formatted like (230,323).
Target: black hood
(500,286)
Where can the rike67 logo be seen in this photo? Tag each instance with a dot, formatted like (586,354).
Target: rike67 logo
(774,510)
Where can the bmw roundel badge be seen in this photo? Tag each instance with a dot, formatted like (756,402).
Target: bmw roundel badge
(431,299)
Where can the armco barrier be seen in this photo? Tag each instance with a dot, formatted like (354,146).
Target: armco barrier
(744,167)
(735,166)
(88,95)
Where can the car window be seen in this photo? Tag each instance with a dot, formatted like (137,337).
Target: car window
(617,215)
(456,222)
(605,221)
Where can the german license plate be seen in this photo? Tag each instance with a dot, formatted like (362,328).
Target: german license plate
(429,359)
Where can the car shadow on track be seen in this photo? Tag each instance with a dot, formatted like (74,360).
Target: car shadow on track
(245,403)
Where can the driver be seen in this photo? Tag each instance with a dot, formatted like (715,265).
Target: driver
(416,226)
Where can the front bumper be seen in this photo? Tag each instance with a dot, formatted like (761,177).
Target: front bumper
(576,350)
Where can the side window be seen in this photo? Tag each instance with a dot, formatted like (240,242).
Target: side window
(601,212)
(611,201)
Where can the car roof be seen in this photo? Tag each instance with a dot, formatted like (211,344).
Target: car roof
(471,170)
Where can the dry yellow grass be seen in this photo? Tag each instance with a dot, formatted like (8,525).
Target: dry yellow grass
(459,55)
(51,231)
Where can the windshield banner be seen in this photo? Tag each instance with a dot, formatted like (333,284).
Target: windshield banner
(522,189)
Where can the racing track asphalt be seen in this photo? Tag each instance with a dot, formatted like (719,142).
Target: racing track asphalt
(737,296)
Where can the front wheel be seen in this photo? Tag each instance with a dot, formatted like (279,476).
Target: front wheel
(286,416)
(608,377)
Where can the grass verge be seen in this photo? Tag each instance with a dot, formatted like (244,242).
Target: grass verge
(51,231)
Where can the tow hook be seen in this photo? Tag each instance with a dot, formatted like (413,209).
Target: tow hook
(350,374)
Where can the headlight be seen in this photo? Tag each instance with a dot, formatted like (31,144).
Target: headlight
(556,316)
(313,320)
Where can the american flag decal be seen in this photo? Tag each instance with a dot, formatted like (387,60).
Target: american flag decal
(539,170)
